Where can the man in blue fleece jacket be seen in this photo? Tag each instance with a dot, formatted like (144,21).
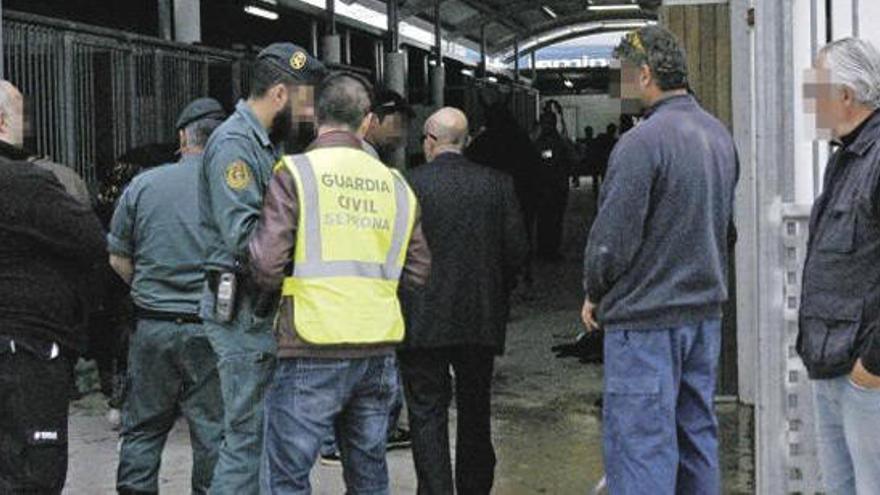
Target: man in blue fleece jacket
(655,265)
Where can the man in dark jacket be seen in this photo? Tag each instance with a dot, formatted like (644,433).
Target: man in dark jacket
(48,242)
(839,340)
(656,263)
(556,163)
(473,224)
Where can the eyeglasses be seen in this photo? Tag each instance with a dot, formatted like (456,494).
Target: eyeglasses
(428,135)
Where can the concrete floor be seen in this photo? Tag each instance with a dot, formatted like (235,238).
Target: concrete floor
(546,429)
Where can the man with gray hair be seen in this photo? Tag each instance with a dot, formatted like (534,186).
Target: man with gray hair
(12,135)
(155,244)
(838,338)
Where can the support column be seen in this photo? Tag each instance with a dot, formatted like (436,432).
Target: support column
(438,72)
(516,61)
(331,44)
(165,27)
(347,45)
(188,21)
(533,59)
(395,71)
(2,48)
(313,40)
(483,65)
(379,56)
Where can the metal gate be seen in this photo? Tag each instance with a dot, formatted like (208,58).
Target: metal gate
(94,93)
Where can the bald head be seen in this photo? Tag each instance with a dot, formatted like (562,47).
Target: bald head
(11,114)
(445,131)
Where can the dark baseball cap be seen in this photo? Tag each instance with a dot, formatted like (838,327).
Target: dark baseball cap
(294,61)
(203,108)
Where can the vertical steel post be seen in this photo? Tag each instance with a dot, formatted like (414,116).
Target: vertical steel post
(347,45)
(438,34)
(187,21)
(2,49)
(395,70)
(438,72)
(166,30)
(855,18)
(483,64)
(330,7)
(393,26)
(313,45)
(516,60)
(331,44)
(533,65)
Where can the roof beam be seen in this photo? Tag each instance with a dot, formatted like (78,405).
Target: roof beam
(488,13)
(415,7)
(562,22)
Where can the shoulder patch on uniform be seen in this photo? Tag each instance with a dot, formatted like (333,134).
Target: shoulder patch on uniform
(238,175)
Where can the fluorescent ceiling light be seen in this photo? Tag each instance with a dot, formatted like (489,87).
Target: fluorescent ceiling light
(492,79)
(568,83)
(467,72)
(599,8)
(270,2)
(261,12)
(547,10)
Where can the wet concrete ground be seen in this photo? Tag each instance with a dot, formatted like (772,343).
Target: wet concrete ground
(546,428)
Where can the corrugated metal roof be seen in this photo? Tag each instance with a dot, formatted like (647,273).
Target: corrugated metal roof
(508,20)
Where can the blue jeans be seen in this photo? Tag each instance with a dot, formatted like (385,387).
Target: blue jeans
(245,349)
(847,436)
(660,430)
(328,446)
(310,398)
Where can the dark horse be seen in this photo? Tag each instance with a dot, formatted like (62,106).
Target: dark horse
(504,145)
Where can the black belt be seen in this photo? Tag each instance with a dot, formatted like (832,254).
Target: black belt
(179,318)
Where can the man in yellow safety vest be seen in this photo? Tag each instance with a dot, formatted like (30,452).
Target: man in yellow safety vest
(350,229)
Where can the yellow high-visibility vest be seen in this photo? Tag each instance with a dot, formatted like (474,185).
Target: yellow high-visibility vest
(356,217)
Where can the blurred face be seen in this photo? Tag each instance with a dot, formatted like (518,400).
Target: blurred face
(12,120)
(294,120)
(829,102)
(389,133)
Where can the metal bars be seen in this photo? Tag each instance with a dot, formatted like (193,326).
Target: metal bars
(92,94)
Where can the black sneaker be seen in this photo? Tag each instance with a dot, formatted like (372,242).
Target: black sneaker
(332,460)
(399,439)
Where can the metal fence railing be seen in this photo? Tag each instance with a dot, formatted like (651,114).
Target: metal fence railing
(93,93)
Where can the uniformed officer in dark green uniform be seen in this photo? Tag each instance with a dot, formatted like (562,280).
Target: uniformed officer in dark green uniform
(238,164)
(156,245)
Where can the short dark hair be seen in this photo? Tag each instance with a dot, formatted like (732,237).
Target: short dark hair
(344,99)
(198,132)
(265,76)
(659,49)
(388,102)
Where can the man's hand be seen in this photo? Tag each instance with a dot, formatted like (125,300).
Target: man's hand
(864,378)
(588,316)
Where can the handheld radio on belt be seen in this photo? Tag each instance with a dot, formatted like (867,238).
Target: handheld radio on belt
(224,309)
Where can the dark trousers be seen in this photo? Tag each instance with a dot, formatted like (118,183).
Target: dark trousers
(551,217)
(173,370)
(428,387)
(34,391)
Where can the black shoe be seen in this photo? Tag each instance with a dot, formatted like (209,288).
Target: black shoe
(399,439)
(332,460)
